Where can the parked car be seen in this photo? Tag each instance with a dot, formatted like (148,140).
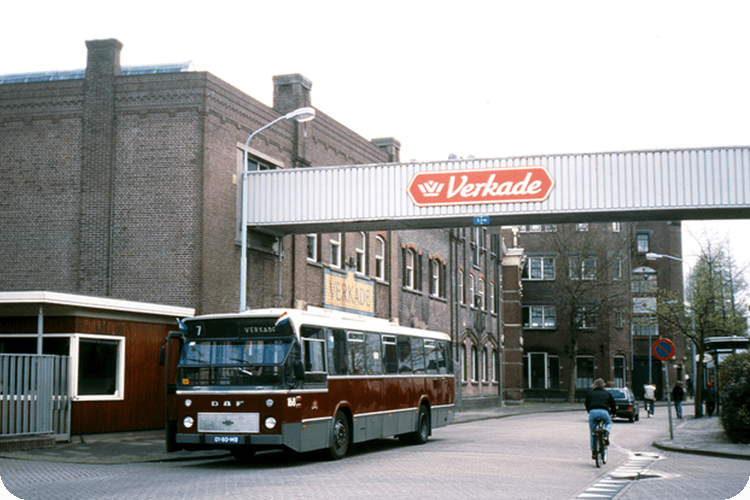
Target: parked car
(627,405)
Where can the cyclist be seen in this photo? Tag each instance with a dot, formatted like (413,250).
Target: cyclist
(600,404)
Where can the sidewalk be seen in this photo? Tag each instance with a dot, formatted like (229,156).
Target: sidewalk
(700,436)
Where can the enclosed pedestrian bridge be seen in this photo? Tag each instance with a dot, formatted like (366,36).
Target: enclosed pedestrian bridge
(684,184)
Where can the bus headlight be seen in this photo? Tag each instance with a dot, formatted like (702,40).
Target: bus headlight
(188,402)
(270,423)
(188,422)
(269,402)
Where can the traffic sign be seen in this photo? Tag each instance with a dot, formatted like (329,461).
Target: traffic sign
(482,220)
(664,349)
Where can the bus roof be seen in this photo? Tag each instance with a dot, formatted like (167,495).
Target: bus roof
(331,319)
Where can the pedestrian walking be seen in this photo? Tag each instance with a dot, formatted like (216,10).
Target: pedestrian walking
(649,394)
(678,394)
(710,399)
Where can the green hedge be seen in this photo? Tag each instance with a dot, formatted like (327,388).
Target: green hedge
(734,387)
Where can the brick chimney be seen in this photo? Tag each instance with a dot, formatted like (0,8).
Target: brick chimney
(291,92)
(97,167)
(390,146)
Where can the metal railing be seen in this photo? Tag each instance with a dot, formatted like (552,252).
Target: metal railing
(34,395)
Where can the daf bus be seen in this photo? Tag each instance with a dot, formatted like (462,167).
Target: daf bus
(303,380)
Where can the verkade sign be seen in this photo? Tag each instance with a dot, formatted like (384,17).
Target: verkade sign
(480,186)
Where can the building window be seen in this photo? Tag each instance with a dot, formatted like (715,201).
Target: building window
(474,364)
(335,246)
(617,268)
(644,325)
(475,244)
(583,227)
(584,372)
(361,252)
(541,371)
(461,288)
(312,247)
(464,368)
(485,365)
(616,227)
(408,269)
(643,282)
(585,318)
(619,370)
(492,297)
(584,268)
(472,289)
(642,242)
(479,301)
(539,317)
(619,319)
(379,258)
(539,268)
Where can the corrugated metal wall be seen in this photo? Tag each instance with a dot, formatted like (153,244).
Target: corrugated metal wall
(621,186)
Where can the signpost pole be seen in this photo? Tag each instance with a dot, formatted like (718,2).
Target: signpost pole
(664,350)
(669,399)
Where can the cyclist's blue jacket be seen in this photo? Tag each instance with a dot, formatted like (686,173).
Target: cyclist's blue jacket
(600,399)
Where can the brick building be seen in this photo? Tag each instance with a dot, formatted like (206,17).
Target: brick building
(124,182)
(601,270)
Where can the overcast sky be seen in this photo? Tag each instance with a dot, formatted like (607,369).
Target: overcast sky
(486,79)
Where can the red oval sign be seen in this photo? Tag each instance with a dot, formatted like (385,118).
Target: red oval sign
(480,186)
(664,349)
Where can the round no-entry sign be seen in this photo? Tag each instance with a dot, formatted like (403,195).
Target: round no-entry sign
(664,349)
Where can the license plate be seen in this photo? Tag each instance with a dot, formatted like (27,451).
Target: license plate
(227,440)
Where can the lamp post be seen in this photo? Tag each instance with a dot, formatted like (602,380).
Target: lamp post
(301,115)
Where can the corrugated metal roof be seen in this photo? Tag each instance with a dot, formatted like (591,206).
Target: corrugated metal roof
(710,183)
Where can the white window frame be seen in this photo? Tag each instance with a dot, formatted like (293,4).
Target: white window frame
(461,285)
(546,264)
(74,353)
(379,258)
(435,277)
(335,251)
(546,310)
(312,238)
(472,289)
(492,297)
(481,294)
(411,258)
(361,255)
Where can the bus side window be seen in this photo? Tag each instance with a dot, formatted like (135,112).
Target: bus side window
(390,355)
(357,353)
(442,362)
(417,355)
(337,352)
(404,355)
(313,345)
(431,354)
(372,348)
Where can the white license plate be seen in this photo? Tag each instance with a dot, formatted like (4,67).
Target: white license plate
(226,440)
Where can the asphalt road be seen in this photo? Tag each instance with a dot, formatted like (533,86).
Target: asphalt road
(537,456)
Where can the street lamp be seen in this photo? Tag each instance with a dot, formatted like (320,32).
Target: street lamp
(301,115)
(654,256)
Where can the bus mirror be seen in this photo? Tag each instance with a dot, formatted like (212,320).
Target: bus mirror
(299,370)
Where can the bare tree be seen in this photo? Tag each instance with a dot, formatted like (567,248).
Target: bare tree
(590,282)
(714,306)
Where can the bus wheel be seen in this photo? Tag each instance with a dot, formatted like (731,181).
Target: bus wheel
(422,433)
(339,437)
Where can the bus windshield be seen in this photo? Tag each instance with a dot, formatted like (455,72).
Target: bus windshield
(234,362)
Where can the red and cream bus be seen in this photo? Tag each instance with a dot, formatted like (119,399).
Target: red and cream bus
(304,380)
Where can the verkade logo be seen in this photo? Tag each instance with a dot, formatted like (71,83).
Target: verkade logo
(479,186)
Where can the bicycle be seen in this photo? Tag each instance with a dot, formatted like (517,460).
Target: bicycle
(600,444)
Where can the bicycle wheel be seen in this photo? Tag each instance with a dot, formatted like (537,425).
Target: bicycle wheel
(597,448)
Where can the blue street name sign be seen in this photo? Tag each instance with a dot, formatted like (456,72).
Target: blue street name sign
(482,220)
